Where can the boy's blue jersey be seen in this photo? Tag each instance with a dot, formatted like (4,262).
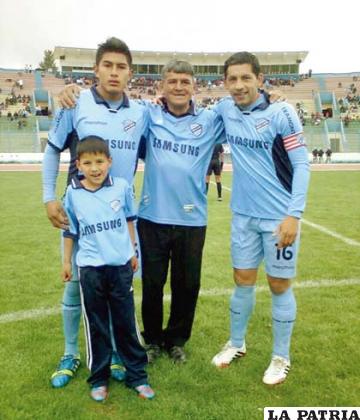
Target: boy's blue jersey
(98,219)
(270,160)
(178,152)
(122,128)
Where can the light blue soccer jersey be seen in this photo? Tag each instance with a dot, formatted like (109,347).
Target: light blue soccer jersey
(122,128)
(270,161)
(98,219)
(178,152)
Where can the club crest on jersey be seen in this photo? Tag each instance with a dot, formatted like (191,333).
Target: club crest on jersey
(261,124)
(146,200)
(128,125)
(301,139)
(188,208)
(196,129)
(115,205)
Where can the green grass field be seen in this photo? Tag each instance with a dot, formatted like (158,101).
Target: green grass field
(326,340)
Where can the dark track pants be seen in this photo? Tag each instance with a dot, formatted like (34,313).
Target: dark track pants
(104,289)
(183,246)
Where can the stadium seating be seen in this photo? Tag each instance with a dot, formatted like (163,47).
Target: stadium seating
(310,94)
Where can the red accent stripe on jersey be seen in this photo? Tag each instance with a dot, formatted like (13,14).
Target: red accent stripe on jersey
(294,147)
(292,142)
(292,135)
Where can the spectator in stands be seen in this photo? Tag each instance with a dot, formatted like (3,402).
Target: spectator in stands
(320,155)
(315,155)
(318,118)
(328,155)
(347,120)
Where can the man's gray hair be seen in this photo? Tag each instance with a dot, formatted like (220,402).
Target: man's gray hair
(178,66)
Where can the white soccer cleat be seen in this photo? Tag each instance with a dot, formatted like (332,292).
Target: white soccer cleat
(277,371)
(228,354)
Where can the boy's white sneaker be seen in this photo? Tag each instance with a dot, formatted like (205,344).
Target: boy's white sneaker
(277,371)
(228,354)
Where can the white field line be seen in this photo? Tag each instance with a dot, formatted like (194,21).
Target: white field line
(329,232)
(43,312)
(322,229)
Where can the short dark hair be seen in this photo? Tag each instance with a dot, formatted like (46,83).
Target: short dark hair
(243,57)
(113,45)
(92,144)
(177,66)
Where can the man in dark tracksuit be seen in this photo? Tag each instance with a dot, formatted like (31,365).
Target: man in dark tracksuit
(215,166)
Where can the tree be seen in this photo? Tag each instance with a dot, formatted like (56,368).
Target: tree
(48,61)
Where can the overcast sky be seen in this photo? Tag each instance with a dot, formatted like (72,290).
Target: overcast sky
(330,31)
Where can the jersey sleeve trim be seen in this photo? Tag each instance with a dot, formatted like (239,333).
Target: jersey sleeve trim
(54,147)
(68,234)
(293,141)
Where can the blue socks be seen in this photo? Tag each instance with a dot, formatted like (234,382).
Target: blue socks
(242,303)
(283,314)
(71,317)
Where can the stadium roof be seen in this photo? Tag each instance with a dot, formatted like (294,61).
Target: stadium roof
(73,55)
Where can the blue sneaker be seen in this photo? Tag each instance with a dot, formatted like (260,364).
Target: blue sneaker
(117,368)
(66,369)
(99,393)
(145,391)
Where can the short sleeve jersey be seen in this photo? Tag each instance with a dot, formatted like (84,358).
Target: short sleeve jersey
(98,219)
(122,128)
(178,152)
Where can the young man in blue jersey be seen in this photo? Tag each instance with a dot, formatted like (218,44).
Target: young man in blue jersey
(105,111)
(173,209)
(270,182)
(101,213)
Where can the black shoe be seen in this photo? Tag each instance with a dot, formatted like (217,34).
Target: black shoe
(177,354)
(153,352)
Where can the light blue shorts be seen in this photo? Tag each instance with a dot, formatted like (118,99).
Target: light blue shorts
(252,240)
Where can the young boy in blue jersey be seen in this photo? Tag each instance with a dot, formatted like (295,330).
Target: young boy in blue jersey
(270,182)
(105,111)
(101,214)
